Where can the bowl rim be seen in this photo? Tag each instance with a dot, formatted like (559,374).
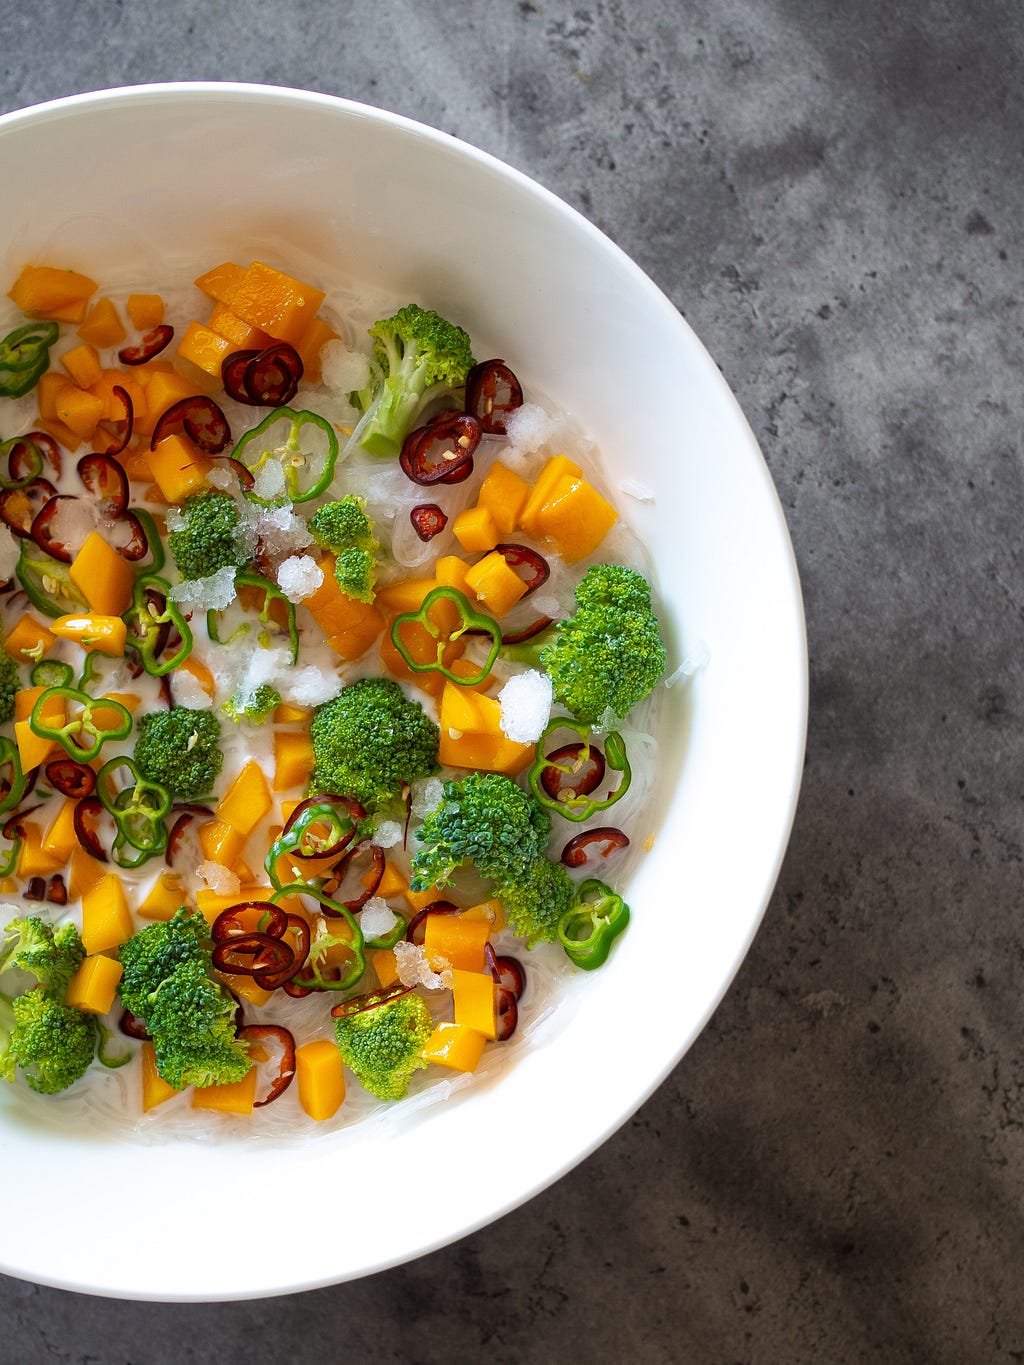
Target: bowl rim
(789,781)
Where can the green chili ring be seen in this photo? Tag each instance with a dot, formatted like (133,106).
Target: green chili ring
(309,977)
(591,925)
(10,761)
(289,455)
(25,357)
(471,620)
(579,808)
(83,723)
(145,624)
(272,593)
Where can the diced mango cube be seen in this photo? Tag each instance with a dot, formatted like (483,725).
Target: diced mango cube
(234,1098)
(495,584)
(29,639)
(94,984)
(178,466)
(475,999)
(106,918)
(504,494)
(293,759)
(247,800)
(455,1046)
(320,1077)
(576,517)
(458,941)
(103,577)
(475,530)
(155,1089)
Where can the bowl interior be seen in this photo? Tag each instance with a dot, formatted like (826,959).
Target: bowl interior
(147,179)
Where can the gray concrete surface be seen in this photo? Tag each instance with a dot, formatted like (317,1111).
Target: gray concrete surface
(834,196)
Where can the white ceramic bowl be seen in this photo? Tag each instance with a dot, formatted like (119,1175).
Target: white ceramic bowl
(154,174)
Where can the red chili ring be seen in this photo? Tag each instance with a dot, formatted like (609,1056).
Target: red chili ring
(340,868)
(47,447)
(508,972)
(71,778)
(202,421)
(90,809)
(120,428)
(286,1066)
(582,783)
(577,851)
(105,480)
(133,1027)
(42,534)
(229,925)
(270,981)
(247,954)
(232,374)
(433,453)
(152,344)
(520,637)
(359,1004)
(434,908)
(492,391)
(135,543)
(428,520)
(516,556)
(271,379)
(56,891)
(19,507)
(507,1010)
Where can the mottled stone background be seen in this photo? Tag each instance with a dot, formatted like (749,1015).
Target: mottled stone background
(832,194)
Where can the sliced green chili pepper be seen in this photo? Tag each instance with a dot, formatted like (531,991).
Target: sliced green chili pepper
(47,582)
(592,924)
(138,808)
(579,806)
(91,676)
(25,357)
(470,620)
(35,468)
(392,936)
(157,553)
(111,1049)
(83,723)
(52,673)
(339,829)
(13,781)
(311,975)
(248,586)
(151,610)
(306,473)
(9,856)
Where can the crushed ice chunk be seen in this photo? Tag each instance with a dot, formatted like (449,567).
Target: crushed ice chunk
(529,427)
(415,970)
(308,686)
(208,594)
(633,488)
(270,480)
(426,795)
(299,576)
(377,918)
(526,706)
(387,834)
(343,370)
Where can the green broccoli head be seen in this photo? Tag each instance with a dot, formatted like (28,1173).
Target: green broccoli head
(420,356)
(180,749)
(537,901)
(258,706)
(343,524)
(167,981)
(484,819)
(51,1042)
(370,740)
(9,684)
(211,539)
(609,654)
(383,1046)
(51,956)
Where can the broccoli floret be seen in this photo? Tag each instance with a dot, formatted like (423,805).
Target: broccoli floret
(370,740)
(50,955)
(51,1042)
(486,820)
(419,356)
(9,684)
(211,538)
(260,704)
(383,1046)
(190,1017)
(180,749)
(609,654)
(344,528)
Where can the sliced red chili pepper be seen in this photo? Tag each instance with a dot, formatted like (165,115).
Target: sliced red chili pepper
(531,567)
(232,374)
(19,507)
(348,878)
(602,842)
(414,929)
(201,420)
(263,1033)
(43,530)
(520,637)
(183,848)
(246,954)
(359,1004)
(272,378)
(152,344)
(246,478)
(35,890)
(71,778)
(249,917)
(120,429)
(428,520)
(299,928)
(56,891)
(105,480)
(433,453)
(128,537)
(492,392)
(508,972)
(586,764)
(133,1027)
(87,816)
(507,1010)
